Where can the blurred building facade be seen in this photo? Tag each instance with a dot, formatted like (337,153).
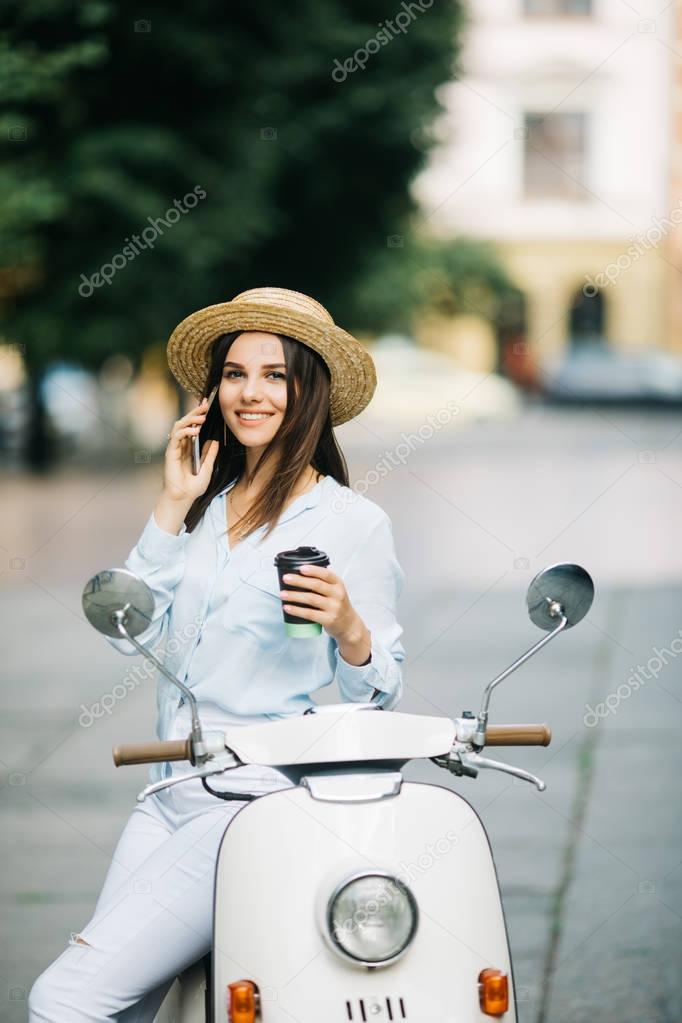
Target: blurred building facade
(673,324)
(562,143)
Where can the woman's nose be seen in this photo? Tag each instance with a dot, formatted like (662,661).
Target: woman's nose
(252,390)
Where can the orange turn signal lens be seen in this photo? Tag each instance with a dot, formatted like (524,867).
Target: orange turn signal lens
(493,992)
(242,1002)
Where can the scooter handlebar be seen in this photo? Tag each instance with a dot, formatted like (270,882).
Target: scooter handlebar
(518,735)
(180,749)
(152,752)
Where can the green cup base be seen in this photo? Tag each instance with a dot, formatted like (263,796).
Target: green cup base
(304,631)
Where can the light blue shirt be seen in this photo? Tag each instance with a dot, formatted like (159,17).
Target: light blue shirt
(219,611)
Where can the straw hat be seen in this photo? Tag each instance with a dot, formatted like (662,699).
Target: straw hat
(277,311)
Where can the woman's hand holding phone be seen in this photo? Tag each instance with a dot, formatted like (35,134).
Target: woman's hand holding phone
(180,486)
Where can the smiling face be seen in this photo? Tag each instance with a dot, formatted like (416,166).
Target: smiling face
(254,381)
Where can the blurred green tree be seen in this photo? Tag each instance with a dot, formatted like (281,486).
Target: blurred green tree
(453,276)
(295,158)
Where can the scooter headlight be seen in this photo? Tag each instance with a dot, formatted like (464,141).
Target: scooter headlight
(372,917)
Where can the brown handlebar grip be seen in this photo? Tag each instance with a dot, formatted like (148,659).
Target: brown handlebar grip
(518,735)
(152,752)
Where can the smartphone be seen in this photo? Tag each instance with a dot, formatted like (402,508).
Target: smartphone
(196,450)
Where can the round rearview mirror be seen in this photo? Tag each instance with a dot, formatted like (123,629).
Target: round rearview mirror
(569,586)
(117,590)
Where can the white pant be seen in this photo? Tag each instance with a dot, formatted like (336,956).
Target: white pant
(154,914)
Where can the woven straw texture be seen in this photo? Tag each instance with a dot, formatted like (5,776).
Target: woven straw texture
(277,311)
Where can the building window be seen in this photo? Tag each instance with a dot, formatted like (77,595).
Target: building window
(557,7)
(554,155)
(586,319)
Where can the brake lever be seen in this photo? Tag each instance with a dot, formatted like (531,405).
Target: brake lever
(218,766)
(498,765)
(464,762)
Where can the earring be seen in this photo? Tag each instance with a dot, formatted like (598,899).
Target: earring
(224,433)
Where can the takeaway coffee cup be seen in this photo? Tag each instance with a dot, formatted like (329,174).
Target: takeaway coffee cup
(291,561)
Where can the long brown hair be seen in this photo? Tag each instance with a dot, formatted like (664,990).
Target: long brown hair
(304,438)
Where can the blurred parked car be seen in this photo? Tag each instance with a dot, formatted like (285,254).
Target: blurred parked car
(413,382)
(599,373)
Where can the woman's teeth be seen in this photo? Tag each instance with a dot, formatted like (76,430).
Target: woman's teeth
(253,415)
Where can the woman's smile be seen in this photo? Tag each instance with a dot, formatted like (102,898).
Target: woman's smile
(253,418)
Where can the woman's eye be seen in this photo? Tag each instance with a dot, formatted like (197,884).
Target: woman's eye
(230,372)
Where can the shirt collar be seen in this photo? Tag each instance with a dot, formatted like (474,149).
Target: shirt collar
(308,500)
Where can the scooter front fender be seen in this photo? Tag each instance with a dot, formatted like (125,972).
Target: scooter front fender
(280,859)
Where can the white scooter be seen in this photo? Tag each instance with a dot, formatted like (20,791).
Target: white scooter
(353,895)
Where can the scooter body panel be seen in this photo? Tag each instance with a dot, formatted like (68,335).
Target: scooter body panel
(282,857)
(357,735)
(186,999)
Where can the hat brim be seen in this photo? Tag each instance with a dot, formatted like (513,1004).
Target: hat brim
(352,371)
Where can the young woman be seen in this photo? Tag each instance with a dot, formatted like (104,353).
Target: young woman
(272,478)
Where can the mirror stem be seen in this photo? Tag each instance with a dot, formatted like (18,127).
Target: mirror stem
(478,740)
(198,749)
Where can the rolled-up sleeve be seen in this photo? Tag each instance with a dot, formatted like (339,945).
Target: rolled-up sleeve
(374,582)
(159,559)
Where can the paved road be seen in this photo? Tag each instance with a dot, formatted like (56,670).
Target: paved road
(590,870)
